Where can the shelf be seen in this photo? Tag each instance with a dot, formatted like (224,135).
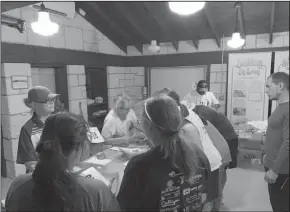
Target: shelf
(97,104)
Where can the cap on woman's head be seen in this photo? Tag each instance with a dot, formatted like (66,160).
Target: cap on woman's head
(39,94)
(202,84)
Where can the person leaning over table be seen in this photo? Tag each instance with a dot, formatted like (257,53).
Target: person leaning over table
(41,101)
(173,176)
(207,137)
(53,186)
(121,123)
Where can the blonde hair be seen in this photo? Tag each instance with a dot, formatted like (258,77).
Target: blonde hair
(121,100)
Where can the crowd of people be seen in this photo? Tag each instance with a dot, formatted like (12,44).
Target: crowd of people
(192,146)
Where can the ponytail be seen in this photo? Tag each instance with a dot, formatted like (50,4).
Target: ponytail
(52,181)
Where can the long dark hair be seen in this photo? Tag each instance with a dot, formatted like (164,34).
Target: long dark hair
(55,187)
(162,123)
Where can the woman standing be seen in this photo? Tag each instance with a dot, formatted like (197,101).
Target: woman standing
(173,175)
(41,101)
(52,186)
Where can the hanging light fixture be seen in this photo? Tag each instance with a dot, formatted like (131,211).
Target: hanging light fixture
(236,41)
(186,8)
(44,26)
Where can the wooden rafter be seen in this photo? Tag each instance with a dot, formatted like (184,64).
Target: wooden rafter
(139,48)
(241,20)
(11,5)
(155,12)
(195,43)
(210,20)
(132,20)
(272,22)
(89,16)
(175,45)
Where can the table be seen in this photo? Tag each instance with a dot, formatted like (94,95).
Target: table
(112,171)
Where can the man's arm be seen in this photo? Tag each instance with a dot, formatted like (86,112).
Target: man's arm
(283,153)
(214,102)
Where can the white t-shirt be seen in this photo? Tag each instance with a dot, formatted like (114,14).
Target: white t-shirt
(209,149)
(114,127)
(193,98)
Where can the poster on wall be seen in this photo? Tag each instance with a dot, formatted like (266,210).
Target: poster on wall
(281,64)
(247,76)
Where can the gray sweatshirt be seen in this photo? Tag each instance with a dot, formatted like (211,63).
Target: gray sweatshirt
(277,140)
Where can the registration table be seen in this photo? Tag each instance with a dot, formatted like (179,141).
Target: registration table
(110,163)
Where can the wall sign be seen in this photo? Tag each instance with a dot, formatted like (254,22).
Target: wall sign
(247,76)
(19,82)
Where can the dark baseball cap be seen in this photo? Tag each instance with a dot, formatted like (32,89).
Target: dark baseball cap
(40,94)
(202,84)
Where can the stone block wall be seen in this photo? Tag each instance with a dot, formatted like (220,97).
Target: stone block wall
(77,93)
(14,113)
(125,79)
(74,33)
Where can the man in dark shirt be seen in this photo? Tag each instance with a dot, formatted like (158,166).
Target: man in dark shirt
(223,125)
(276,159)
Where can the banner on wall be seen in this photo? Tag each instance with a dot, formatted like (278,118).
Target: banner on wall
(281,64)
(247,74)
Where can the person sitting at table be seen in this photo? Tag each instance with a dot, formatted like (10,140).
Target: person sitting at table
(53,186)
(172,176)
(41,101)
(120,123)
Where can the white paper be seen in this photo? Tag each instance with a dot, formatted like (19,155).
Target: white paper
(3,202)
(95,175)
(260,125)
(97,161)
(96,136)
(115,149)
(126,163)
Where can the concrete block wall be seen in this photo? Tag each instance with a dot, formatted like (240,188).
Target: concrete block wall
(77,93)
(75,34)
(125,79)
(14,113)
(218,84)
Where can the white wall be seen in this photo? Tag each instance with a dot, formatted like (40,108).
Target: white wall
(76,34)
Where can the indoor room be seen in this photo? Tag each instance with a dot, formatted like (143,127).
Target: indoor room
(92,90)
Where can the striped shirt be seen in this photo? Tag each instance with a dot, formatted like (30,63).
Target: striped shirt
(29,137)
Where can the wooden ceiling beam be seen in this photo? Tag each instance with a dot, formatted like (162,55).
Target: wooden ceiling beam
(195,43)
(214,30)
(175,44)
(11,5)
(139,48)
(242,20)
(272,22)
(155,12)
(92,19)
(132,20)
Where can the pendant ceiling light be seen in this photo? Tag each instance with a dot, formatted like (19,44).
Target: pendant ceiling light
(236,41)
(44,26)
(186,8)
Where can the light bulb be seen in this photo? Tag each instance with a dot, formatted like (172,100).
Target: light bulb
(186,8)
(236,41)
(44,26)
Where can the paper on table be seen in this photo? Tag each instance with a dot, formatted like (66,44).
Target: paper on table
(260,125)
(115,149)
(95,160)
(95,136)
(93,173)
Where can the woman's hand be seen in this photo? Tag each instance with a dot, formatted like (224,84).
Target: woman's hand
(137,137)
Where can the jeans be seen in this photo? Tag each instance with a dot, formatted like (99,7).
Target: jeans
(222,183)
(279,193)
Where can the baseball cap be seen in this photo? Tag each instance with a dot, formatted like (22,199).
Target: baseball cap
(202,84)
(40,94)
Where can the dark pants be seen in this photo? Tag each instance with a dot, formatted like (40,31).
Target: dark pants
(279,193)
(233,146)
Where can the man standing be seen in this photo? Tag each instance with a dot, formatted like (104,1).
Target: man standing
(201,96)
(276,159)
